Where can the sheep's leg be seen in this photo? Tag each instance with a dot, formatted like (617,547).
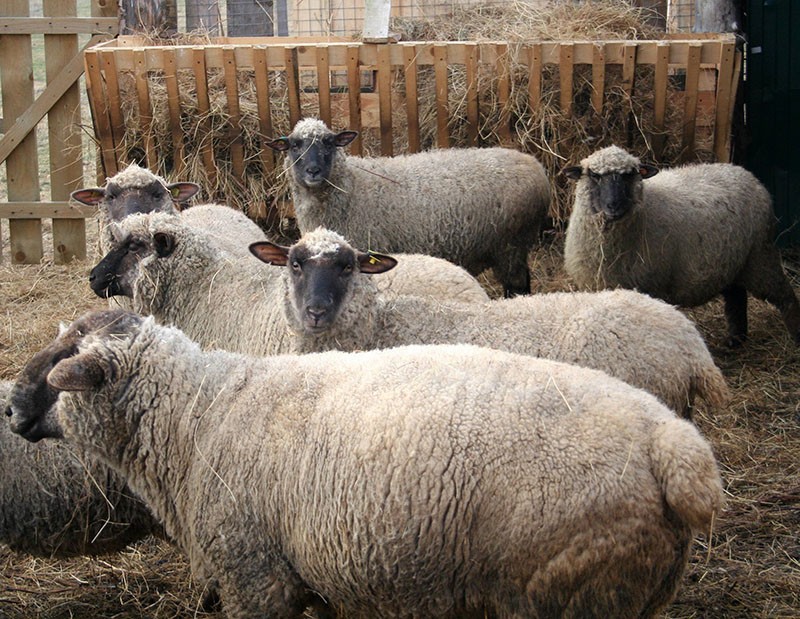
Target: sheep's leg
(766,280)
(782,296)
(736,313)
(511,269)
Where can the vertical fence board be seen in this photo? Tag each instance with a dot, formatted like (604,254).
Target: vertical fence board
(108,63)
(385,99)
(145,111)
(598,76)
(412,104)
(565,72)
(442,107)
(293,84)
(660,99)
(264,108)
(354,95)
(725,85)
(504,93)
(628,76)
(203,105)
(324,84)
(22,164)
(535,77)
(234,115)
(690,102)
(473,112)
(64,138)
(99,105)
(174,106)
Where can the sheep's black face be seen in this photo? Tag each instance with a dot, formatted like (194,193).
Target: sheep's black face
(120,201)
(112,275)
(312,156)
(320,284)
(613,194)
(32,398)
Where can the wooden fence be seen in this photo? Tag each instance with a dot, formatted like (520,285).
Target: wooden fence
(162,105)
(63,33)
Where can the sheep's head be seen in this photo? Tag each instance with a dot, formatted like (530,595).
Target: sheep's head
(610,181)
(32,399)
(311,149)
(136,190)
(322,267)
(117,272)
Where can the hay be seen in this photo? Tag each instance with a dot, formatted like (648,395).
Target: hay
(556,138)
(751,568)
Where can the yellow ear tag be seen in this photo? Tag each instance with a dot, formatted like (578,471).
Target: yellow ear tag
(373,260)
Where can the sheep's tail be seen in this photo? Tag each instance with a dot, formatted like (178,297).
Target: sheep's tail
(687,472)
(710,385)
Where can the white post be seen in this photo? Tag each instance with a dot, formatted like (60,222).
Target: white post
(376,21)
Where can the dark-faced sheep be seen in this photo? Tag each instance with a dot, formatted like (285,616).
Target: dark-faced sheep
(478,207)
(449,481)
(685,236)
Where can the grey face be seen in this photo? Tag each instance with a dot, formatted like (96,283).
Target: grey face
(115,274)
(319,285)
(312,156)
(32,399)
(613,194)
(121,201)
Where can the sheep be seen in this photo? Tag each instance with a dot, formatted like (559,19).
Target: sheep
(638,339)
(58,501)
(444,481)
(683,236)
(476,207)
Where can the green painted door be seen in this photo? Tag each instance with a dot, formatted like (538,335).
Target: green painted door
(772,112)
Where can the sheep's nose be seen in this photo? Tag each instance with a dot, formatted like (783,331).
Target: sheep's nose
(316,312)
(9,412)
(313,170)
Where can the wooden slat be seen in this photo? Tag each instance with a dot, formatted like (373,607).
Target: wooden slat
(59,25)
(503,68)
(114,101)
(565,72)
(27,120)
(234,115)
(354,96)
(598,76)
(174,107)
(145,111)
(412,104)
(725,96)
(203,104)
(39,210)
(323,83)
(22,163)
(442,108)
(293,84)
(534,77)
(98,104)
(660,100)
(265,110)
(690,103)
(63,137)
(628,77)
(385,99)
(473,111)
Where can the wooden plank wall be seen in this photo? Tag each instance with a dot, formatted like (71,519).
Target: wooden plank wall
(59,102)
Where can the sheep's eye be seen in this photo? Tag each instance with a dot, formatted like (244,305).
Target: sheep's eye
(348,268)
(135,246)
(594,175)
(296,265)
(296,144)
(112,191)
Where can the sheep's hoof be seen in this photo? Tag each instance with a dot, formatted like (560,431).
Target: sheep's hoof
(735,341)
(210,602)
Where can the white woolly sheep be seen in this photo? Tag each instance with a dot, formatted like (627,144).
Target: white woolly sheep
(426,481)
(56,501)
(640,340)
(684,236)
(476,207)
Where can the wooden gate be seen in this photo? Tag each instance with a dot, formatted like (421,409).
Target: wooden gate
(65,35)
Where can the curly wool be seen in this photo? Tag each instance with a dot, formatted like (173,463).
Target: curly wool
(571,492)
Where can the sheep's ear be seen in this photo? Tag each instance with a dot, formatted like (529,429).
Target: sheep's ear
(279,144)
(78,373)
(343,138)
(573,172)
(372,263)
(646,170)
(164,244)
(181,192)
(89,197)
(271,253)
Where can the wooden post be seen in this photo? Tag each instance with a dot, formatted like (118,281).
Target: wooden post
(64,138)
(376,21)
(22,165)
